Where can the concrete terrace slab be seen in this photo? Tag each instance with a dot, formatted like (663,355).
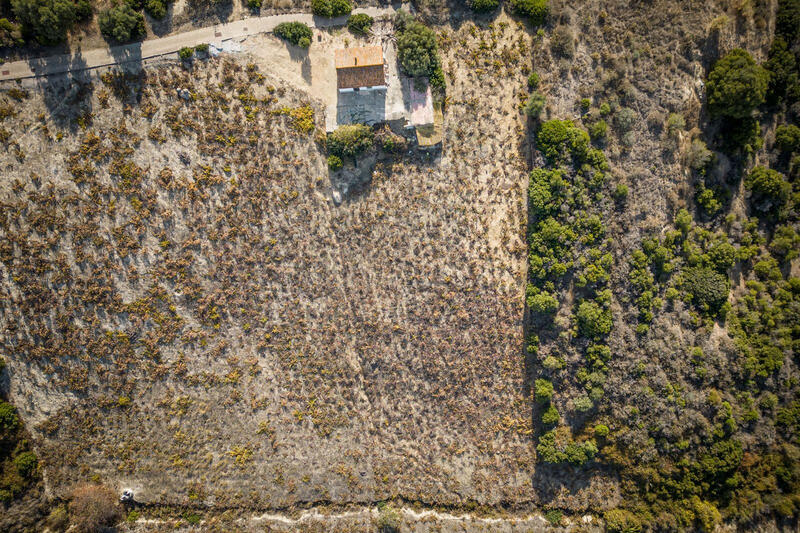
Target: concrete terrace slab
(361,107)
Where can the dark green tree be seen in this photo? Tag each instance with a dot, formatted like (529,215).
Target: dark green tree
(768,188)
(483,6)
(10,34)
(736,85)
(360,23)
(296,33)
(121,23)
(45,20)
(535,10)
(416,47)
(709,288)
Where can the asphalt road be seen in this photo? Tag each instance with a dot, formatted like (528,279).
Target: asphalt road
(101,57)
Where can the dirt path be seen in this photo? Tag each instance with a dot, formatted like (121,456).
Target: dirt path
(366,516)
(140,51)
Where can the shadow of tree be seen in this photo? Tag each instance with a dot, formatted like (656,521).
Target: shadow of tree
(67,94)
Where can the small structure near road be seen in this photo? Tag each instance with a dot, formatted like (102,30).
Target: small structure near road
(360,69)
(361,83)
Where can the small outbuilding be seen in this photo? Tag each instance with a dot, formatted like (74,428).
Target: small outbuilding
(360,69)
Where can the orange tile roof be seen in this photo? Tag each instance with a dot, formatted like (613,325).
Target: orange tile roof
(366,56)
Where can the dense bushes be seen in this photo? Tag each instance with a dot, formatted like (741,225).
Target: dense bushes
(550,450)
(594,320)
(156,8)
(483,6)
(621,521)
(736,85)
(48,20)
(534,10)
(360,23)
(18,465)
(350,140)
(787,138)
(331,8)
(10,34)
(9,421)
(560,139)
(709,288)
(186,53)
(297,33)
(543,390)
(768,188)
(121,23)
(335,162)
(416,46)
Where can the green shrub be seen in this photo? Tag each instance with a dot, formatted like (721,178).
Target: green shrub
(350,140)
(331,8)
(26,464)
(9,421)
(360,23)
(535,10)
(594,321)
(547,190)
(203,47)
(782,67)
(543,390)
(335,162)
(255,5)
(540,301)
(156,8)
(621,521)
(683,221)
(707,200)
(785,243)
(605,109)
(675,124)
(186,53)
(47,20)
(388,519)
(736,85)
(553,516)
(535,104)
(787,138)
(598,130)
(533,80)
(558,139)
(620,192)
(580,453)
(297,33)
(768,187)
(10,34)
(722,255)
(601,430)
(483,6)
(709,288)
(417,50)
(121,23)
(550,416)
(582,404)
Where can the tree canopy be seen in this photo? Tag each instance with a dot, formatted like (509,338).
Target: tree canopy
(121,23)
(736,85)
(48,20)
(296,33)
(416,46)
